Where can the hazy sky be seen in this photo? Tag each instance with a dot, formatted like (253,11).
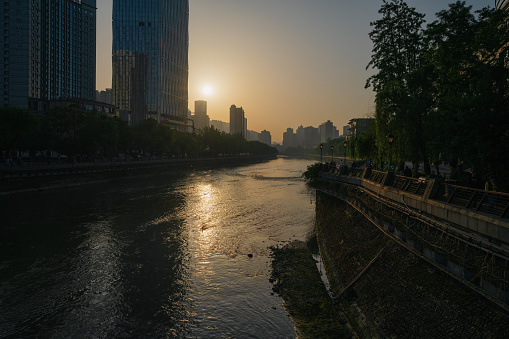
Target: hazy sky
(286,62)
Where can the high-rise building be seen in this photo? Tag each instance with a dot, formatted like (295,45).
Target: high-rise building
(265,137)
(200,117)
(289,138)
(150,60)
(104,96)
(47,51)
(238,121)
(326,131)
(220,125)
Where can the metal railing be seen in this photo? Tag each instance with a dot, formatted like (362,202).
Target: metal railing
(411,185)
(489,202)
(356,172)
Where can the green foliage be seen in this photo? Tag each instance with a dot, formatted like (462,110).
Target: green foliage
(442,90)
(70,131)
(312,173)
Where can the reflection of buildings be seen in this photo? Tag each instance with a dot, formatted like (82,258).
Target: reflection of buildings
(47,51)
(238,121)
(200,117)
(150,60)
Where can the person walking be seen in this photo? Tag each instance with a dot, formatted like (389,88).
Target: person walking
(491,186)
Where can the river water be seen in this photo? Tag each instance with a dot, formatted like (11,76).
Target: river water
(176,255)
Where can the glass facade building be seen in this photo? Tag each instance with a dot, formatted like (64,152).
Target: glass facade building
(150,60)
(48,51)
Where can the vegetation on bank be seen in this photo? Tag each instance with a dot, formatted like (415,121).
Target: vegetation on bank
(297,280)
(441,92)
(77,134)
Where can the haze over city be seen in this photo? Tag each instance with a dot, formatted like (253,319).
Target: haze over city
(286,62)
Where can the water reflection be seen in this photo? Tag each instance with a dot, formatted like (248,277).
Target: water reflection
(165,256)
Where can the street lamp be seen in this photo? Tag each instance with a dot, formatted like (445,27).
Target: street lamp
(332,153)
(344,145)
(321,149)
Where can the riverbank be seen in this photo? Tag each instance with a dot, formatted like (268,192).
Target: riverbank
(387,291)
(298,282)
(24,179)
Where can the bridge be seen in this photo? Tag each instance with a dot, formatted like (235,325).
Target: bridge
(462,231)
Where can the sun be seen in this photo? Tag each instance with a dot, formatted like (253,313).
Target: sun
(207,90)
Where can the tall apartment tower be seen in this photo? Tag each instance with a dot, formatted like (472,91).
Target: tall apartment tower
(150,60)
(200,117)
(47,51)
(238,121)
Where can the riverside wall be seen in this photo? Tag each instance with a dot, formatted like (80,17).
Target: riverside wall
(396,272)
(28,178)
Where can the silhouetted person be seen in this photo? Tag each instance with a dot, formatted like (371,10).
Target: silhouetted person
(407,172)
(491,186)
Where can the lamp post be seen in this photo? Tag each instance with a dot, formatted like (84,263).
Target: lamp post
(390,138)
(321,149)
(344,145)
(332,153)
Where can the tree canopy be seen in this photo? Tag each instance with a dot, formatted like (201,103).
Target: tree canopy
(80,134)
(442,90)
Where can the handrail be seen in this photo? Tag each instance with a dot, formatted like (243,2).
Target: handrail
(488,202)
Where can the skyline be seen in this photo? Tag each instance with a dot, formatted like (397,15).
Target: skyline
(286,62)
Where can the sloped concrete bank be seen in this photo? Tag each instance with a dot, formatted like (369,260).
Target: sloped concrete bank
(23,179)
(385,290)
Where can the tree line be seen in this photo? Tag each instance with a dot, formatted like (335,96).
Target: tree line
(442,89)
(87,135)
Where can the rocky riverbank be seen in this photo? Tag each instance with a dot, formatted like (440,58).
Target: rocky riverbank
(297,281)
(386,291)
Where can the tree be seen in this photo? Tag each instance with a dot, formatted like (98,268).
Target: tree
(18,129)
(400,106)
(470,86)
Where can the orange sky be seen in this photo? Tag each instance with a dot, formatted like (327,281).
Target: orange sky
(286,62)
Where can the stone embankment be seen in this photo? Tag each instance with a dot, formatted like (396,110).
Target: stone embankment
(385,290)
(19,179)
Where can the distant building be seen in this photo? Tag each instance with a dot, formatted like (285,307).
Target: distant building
(359,126)
(265,137)
(200,117)
(105,96)
(289,138)
(238,121)
(84,105)
(311,137)
(220,125)
(326,131)
(150,60)
(346,130)
(47,52)
(252,136)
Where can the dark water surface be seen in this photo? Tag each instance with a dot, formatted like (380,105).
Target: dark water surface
(162,256)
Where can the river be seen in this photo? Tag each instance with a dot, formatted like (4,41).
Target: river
(175,255)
